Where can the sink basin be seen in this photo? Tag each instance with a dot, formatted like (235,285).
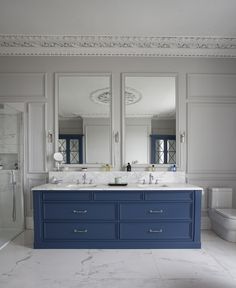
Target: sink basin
(74,185)
(152,185)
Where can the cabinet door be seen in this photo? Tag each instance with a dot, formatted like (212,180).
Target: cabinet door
(156,211)
(162,230)
(82,211)
(79,231)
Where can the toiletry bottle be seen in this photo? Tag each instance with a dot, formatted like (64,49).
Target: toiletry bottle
(153,167)
(128,168)
(174,168)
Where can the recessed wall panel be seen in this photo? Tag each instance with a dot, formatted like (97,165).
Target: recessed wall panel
(22,84)
(212,85)
(211,138)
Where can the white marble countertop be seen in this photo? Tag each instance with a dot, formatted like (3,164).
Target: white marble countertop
(94,187)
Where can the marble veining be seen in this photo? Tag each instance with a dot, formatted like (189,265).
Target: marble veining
(126,177)
(213,266)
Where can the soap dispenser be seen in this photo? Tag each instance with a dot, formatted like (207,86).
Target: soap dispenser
(128,167)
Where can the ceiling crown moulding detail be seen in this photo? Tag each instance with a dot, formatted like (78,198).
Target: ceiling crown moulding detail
(35,45)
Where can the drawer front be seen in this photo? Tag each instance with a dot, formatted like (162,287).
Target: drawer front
(156,211)
(67,195)
(169,195)
(73,211)
(171,231)
(118,195)
(75,231)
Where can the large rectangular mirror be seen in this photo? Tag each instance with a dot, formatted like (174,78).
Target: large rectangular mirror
(149,121)
(83,111)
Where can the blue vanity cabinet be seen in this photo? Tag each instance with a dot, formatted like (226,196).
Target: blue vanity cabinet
(117,219)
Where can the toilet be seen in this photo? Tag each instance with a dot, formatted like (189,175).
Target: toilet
(223,217)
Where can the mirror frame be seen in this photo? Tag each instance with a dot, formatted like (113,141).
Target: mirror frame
(123,114)
(111,114)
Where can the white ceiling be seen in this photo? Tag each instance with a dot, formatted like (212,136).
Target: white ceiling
(119,17)
(179,28)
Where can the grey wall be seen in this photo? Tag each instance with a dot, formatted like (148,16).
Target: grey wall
(206,110)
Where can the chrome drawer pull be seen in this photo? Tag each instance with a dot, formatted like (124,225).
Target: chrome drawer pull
(155,231)
(80,211)
(155,211)
(80,231)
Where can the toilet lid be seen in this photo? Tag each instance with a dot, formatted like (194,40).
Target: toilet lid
(228,213)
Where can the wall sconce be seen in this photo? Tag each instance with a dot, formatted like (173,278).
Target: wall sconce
(182,137)
(50,137)
(117,137)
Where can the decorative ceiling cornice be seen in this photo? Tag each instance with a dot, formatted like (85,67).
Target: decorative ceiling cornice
(36,45)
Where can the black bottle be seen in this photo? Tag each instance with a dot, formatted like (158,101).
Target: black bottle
(128,167)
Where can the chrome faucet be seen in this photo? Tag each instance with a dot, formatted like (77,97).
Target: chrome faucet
(84,178)
(151,177)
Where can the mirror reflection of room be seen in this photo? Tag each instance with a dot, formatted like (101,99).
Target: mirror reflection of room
(84,118)
(150,119)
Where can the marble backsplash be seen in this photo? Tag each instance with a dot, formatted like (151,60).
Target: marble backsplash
(126,177)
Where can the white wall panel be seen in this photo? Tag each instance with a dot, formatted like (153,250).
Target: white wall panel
(212,85)
(22,84)
(211,138)
(36,137)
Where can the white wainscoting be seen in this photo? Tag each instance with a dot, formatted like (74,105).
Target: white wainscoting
(37,162)
(211,138)
(23,85)
(32,180)
(211,134)
(211,85)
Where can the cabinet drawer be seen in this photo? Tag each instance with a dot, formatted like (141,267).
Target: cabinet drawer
(156,231)
(67,195)
(73,211)
(169,195)
(118,195)
(156,211)
(74,231)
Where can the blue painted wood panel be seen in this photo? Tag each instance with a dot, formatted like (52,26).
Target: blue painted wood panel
(79,231)
(158,231)
(67,195)
(79,210)
(117,195)
(117,219)
(169,195)
(156,211)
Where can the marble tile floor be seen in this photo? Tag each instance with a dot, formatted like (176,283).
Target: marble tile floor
(213,266)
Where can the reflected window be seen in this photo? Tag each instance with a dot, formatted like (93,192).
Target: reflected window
(71,147)
(163,149)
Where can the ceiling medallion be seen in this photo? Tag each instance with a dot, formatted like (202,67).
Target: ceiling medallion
(103,96)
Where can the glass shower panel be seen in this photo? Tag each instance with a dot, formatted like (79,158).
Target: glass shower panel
(11,192)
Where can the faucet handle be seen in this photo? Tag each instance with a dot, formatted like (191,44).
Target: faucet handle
(144,181)
(78,182)
(156,182)
(91,181)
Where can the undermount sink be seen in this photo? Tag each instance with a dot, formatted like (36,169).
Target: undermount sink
(75,185)
(152,185)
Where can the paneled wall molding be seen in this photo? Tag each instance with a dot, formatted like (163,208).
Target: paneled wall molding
(225,100)
(22,86)
(210,129)
(211,177)
(211,87)
(36,45)
(32,180)
(37,131)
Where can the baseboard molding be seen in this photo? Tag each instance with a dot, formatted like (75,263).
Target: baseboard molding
(29,223)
